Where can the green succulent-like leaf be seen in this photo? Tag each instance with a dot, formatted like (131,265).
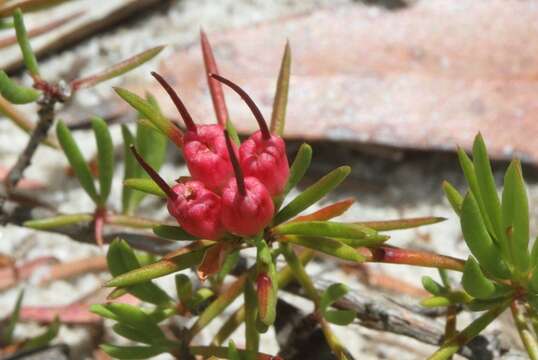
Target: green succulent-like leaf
(58,221)
(117,69)
(326,245)
(151,144)
(312,194)
(299,166)
(190,256)
(227,266)
(470,175)
(122,259)
(7,334)
(105,157)
(103,311)
(488,193)
(436,301)
(137,335)
(15,93)
(46,337)
(133,352)
(515,216)
(478,239)
(232,131)
(432,286)
(172,233)
(453,195)
(152,113)
(24,43)
(75,158)
(134,317)
(278,117)
(475,282)
(338,317)
(145,185)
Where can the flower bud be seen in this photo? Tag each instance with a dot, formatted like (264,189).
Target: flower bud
(262,155)
(247,206)
(204,147)
(196,209)
(264,292)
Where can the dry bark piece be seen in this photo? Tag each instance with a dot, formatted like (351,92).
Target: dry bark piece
(429,76)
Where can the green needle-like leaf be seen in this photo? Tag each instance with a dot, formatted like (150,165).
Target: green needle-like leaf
(58,221)
(454,197)
(129,171)
(329,297)
(299,167)
(232,131)
(75,158)
(172,233)
(515,216)
(105,157)
(278,117)
(45,338)
(183,288)
(137,335)
(117,69)
(7,335)
(133,352)
(24,43)
(326,245)
(151,113)
(312,194)
(325,228)
(145,185)
(122,259)
(15,93)
(478,240)
(400,224)
(475,282)
(191,255)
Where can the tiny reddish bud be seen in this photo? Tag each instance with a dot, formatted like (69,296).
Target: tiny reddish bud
(247,206)
(204,147)
(264,287)
(197,210)
(262,155)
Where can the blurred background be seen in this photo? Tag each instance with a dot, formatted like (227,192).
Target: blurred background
(389,87)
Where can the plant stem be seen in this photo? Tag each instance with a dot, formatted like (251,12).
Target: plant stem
(302,277)
(251,312)
(527,337)
(451,346)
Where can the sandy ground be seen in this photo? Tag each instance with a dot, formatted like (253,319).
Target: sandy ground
(387,183)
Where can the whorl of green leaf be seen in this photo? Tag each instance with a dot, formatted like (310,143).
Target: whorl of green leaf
(329,297)
(75,158)
(15,93)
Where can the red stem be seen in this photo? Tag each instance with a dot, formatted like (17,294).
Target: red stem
(187,119)
(235,164)
(394,255)
(250,103)
(154,175)
(215,87)
(99,222)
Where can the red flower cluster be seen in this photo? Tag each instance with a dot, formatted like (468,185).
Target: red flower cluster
(230,189)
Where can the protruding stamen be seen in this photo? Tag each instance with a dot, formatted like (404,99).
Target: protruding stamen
(187,119)
(250,103)
(215,87)
(154,175)
(235,164)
